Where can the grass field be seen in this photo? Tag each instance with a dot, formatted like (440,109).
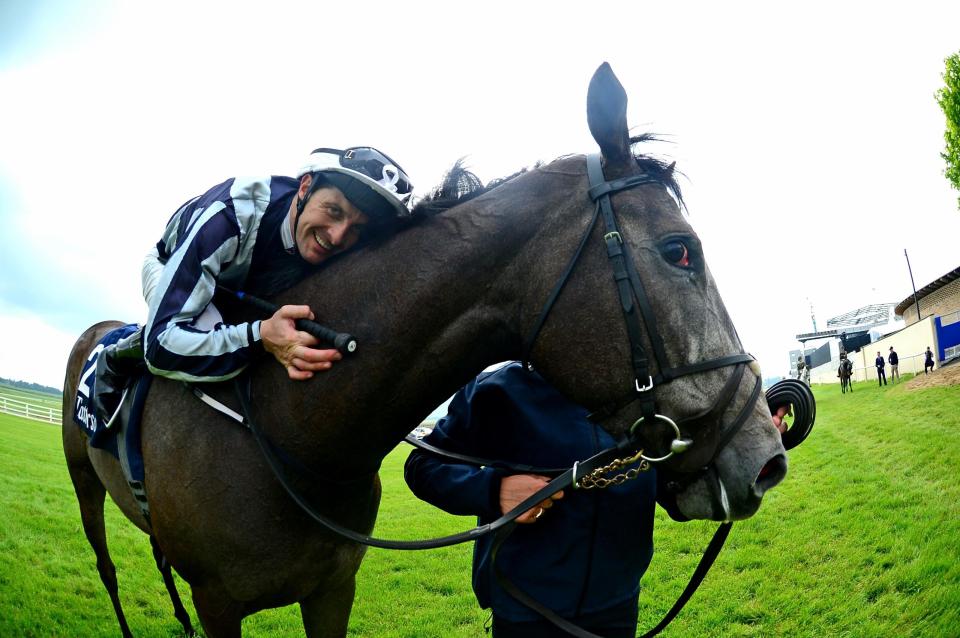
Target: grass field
(861,539)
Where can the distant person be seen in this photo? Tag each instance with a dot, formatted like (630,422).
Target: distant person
(928,360)
(801,367)
(846,366)
(894,361)
(881,375)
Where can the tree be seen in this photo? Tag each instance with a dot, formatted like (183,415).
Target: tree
(948,98)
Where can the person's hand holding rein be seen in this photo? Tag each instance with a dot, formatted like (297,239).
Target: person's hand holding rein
(778,421)
(517,488)
(294,348)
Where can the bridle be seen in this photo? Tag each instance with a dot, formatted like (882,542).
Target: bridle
(635,306)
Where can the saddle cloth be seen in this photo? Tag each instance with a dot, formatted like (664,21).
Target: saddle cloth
(122,439)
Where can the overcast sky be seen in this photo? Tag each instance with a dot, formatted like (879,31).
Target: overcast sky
(810,137)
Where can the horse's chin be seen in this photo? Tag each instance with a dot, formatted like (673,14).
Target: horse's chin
(733,488)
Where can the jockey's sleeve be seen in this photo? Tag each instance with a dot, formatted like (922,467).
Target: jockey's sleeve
(150,274)
(174,346)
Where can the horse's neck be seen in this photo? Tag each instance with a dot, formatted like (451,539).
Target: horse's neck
(430,309)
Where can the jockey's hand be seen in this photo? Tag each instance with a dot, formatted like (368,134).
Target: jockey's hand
(294,348)
(778,418)
(516,488)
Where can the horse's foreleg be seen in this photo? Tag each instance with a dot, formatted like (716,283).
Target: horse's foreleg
(327,613)
(90,495)
(179,612)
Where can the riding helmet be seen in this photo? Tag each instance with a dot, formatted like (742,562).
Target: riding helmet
(368,178)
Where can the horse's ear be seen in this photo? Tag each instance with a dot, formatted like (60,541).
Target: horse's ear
(607,115)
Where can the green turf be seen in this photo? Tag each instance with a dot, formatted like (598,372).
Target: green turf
(861,539)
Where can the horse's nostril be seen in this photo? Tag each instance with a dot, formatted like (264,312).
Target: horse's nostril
(770,474)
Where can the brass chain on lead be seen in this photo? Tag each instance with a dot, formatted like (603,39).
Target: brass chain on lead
(595,479)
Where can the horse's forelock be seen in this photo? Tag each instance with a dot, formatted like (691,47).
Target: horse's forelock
(661,170)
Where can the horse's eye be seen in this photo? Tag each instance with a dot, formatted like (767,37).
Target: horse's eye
(677,254)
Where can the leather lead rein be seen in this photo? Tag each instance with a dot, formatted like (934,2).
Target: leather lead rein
(633,302)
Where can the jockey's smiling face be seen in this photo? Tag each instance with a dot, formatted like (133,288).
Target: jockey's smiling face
(330,224)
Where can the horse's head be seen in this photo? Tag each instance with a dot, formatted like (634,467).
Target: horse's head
(644,339)
(466,285)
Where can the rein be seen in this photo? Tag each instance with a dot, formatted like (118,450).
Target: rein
(786,392)
(503,526)
(567,478)
(706,562)
(635,307)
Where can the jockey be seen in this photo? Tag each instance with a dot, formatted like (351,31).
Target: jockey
(262,235)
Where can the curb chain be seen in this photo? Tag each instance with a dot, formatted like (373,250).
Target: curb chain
(595,479)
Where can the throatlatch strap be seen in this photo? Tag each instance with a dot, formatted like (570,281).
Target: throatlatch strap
(557,289)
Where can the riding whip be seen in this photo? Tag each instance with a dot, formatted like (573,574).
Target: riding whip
(342,341)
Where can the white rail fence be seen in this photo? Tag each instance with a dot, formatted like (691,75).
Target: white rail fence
(33,411)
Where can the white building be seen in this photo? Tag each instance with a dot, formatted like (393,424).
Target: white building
(857,328)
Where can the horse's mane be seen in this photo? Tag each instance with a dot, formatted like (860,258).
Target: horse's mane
(460,185)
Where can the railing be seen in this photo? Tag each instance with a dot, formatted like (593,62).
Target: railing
(33,411)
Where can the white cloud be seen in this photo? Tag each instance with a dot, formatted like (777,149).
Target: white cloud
(810,125)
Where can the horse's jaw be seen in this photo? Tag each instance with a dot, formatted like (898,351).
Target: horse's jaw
(734,484)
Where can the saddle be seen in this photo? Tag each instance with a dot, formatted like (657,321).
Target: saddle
(122,438)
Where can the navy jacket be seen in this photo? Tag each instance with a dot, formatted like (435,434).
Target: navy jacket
(880,363)
(588,552)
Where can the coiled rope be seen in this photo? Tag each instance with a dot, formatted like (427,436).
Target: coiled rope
(796,393)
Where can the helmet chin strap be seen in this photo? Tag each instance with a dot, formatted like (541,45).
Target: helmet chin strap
(301,204)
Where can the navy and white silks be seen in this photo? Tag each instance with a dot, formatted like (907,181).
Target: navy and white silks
(235,235)
(587,553)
